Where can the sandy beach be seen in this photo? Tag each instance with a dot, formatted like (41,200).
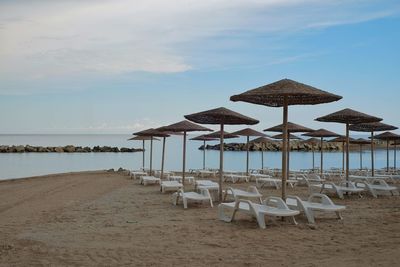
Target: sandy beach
(107,219)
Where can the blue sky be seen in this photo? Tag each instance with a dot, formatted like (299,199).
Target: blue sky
(122,66)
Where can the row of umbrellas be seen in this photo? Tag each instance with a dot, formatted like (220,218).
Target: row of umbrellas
(283,93)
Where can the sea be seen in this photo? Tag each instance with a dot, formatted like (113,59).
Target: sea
(18,165)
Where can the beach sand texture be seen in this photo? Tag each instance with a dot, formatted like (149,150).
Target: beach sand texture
(106,219)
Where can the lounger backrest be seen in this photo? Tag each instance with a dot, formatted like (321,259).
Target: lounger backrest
(320,198)
(276,202)
(252,189)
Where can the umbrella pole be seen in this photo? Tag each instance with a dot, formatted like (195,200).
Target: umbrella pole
(162,158)
(221,162)
(151,155)
(247,156)
(262,159)
(395,156)
(284,146)
(143,156)
(387,155)
(313,158)
(343,160)
(204,154)
(322,158)
(372,155)
(347,151)
(288,155)
(360,157)
(184,158)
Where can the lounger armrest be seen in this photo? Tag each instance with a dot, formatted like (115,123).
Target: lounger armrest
(326,185)
(299,204)
(251,205)
(276,202)
(253,189)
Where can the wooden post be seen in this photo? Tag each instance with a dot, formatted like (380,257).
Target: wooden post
(372,154)
(162,158)
(343,158)
(284,147)
(184,158)
(262,158)
(394,157)
(288,155)
(387,155)
(143,156)
(347,151)
(204,154)
(221,162)
(322,158)
(313,158)
(361,157)
(151,155)
(247,155)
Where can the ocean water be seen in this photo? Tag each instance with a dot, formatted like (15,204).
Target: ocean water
(32,164)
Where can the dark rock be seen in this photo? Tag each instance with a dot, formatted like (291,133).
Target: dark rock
(69,149)
(59,149)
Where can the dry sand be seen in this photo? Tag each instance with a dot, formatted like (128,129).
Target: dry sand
(106,219)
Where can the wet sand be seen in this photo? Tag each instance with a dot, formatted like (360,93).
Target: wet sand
(107,219)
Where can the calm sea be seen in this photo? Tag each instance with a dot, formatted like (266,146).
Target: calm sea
(32,164)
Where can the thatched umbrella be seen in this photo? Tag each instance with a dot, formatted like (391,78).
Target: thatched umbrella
(321,133)
(291,128)
(341,139)
(289,136)
(183,126)
(372,128)
(387,136)
(221,116)
(395,144)
(143,139)
(284,93)
(360,142)
(261,140)
(151,133)
(348,116)
(217,134)
(204,139)
(313,141)
(248,132)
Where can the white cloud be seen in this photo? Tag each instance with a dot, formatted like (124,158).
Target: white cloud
(43,39)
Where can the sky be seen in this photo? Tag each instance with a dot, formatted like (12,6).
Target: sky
(97,66)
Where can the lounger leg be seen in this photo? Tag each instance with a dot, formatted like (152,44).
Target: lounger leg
(310,216)
(294,220)
(222,216)
(339,215)
(260,220)
(184,202)
(340,194)
(211,203)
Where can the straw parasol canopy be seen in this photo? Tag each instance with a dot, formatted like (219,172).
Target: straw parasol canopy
(143,138)
(284,93)
(348,116)
(291,128)
(204,139)
(217,135)
(290,136)
(248,132)
(151,133)
(387,136)
(360,142)
(321,133)
(261,140)
(221,116)
(184,126)
(372,128)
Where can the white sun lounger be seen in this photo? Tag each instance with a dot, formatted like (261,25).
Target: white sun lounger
(272,206)
(234,178)
(316,202)
(251,192)
(339,190)
(145,180)
(170,186)
(204,195)
(137,174)
(261,182)
(189,179)
(377,187)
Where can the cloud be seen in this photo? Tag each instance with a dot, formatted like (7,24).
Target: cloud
(42,39)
